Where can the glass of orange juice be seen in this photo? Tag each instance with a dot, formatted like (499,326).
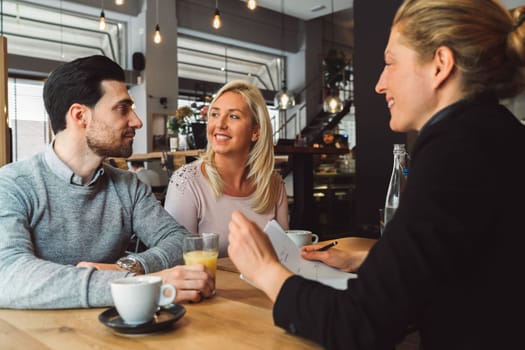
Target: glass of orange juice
(201,249)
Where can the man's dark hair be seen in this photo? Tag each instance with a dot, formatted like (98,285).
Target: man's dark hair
(78,81)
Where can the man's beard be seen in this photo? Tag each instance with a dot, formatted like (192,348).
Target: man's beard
(105,149)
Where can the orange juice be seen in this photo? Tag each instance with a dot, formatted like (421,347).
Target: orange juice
(207,258)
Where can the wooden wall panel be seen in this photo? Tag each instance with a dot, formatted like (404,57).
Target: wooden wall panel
(5,142)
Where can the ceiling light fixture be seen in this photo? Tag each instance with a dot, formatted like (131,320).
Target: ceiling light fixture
(251,4)
(119,2)
(332,103)
(216,22)
(157,38)
(102,19)
(283,99)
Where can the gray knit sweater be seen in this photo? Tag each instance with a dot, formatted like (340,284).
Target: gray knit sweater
(48,224)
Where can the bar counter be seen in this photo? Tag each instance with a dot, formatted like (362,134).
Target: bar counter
(302,158)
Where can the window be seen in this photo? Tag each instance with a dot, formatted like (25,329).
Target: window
(35,30)
(30,130)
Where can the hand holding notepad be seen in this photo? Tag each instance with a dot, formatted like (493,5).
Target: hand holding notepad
(290,256)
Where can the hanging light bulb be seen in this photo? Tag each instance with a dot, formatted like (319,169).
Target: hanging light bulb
(283,99)
(102,21)
(332,104)
(119,2)
(216,22)
(251,4)
(157,38)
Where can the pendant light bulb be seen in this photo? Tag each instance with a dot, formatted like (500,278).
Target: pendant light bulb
(102,21)
(251,4)
(157,38)
(284,99)
(216,23)
(332,104)
(119,2)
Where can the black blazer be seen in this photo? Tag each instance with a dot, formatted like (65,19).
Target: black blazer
(450,261)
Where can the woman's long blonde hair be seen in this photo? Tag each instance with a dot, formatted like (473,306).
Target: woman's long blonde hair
(261,158)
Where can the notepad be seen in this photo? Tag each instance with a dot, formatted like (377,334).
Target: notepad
(290,256)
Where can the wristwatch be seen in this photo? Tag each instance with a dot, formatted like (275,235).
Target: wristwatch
(131,264)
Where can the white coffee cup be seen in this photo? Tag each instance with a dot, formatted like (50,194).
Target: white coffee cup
(137,298)
(302,237)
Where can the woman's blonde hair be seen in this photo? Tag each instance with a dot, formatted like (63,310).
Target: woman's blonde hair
(488,41)
(261,158)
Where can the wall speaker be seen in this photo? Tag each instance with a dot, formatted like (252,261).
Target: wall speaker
(138,61)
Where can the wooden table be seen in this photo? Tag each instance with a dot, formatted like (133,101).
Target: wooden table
(238,317)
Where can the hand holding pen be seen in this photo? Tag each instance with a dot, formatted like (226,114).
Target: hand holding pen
(326,247)
(342,259)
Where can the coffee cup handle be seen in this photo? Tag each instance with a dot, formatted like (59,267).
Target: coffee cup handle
(167,299)
(315,238)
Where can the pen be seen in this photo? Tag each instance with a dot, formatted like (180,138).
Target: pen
(326,247)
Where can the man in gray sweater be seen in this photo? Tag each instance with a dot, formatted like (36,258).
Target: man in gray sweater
(66,218)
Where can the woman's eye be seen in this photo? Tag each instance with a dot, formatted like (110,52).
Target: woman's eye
(234,116)
(214,115)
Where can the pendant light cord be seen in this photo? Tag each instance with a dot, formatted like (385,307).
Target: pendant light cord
(333,24)
(283,77)
(157,11)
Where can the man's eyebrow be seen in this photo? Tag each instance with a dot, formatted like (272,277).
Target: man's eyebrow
(126,102)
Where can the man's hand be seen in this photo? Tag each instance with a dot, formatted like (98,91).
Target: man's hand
(193,282)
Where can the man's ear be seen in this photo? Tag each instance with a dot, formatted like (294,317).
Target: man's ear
(77,115)
(444,63)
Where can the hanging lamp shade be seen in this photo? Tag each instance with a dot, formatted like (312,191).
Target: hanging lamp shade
(284,99)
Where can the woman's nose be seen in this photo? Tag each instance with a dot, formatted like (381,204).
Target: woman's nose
(380,85)
(222,121)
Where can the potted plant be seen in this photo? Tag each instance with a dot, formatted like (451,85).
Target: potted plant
(177,126)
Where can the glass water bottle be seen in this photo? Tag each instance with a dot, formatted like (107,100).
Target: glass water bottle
(397,182)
